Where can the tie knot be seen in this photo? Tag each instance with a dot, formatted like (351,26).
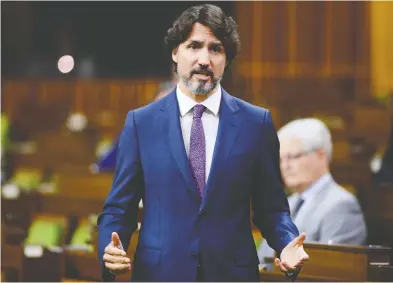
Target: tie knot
(198,110)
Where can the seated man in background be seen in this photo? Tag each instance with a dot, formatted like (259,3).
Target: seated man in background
(327,212)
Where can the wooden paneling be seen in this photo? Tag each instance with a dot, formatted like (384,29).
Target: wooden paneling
(303,39)
(245,19)
(272,27)
(45,105)
(310,18)
(343,48)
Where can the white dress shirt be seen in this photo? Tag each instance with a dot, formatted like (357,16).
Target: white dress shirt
(210,120)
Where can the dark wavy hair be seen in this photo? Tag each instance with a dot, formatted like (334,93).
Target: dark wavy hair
(211,16)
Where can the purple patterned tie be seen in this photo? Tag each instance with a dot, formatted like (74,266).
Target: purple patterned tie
(197,154)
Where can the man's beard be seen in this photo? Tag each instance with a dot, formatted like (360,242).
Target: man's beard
(201,87)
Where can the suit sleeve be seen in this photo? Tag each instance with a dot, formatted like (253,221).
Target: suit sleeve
(344,224)
(270,205)
(121,206)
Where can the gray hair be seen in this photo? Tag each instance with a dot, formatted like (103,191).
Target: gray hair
(312,133)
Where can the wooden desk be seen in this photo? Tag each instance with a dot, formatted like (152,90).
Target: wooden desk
(73,205)
(69,205)
(12,262)
(381,273)
(342,263)
(278,276)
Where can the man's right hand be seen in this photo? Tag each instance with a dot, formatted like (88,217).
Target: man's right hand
(115,257)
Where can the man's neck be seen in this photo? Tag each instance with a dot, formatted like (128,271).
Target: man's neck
(302,188)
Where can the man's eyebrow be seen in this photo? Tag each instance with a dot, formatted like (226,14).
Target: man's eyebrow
(195,41)
(216,43)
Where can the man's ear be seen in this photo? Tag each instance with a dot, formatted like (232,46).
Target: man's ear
(174,55)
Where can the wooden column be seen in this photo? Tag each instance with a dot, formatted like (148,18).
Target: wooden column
(381,25)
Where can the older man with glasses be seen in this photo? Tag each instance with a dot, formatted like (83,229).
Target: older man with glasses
(319,206)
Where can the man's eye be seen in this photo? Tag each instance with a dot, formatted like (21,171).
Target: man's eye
(216,49)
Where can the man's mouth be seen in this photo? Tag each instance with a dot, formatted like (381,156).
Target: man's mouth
(202,76)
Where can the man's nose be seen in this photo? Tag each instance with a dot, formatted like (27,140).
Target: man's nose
(204,57)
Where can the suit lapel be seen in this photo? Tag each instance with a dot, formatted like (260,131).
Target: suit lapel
(227,131)
(176,142)
(303,216)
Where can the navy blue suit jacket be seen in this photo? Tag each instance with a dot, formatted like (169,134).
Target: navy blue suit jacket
(179,229)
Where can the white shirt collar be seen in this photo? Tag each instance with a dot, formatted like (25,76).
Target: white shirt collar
(186,103)
(314,189)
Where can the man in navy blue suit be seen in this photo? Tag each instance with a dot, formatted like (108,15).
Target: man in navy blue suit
(198,158)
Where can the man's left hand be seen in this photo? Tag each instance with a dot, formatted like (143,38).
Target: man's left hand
(293,256)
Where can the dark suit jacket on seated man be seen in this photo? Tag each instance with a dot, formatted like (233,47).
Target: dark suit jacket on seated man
(197,158)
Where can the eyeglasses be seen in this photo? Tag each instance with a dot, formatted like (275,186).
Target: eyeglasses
(291,157)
